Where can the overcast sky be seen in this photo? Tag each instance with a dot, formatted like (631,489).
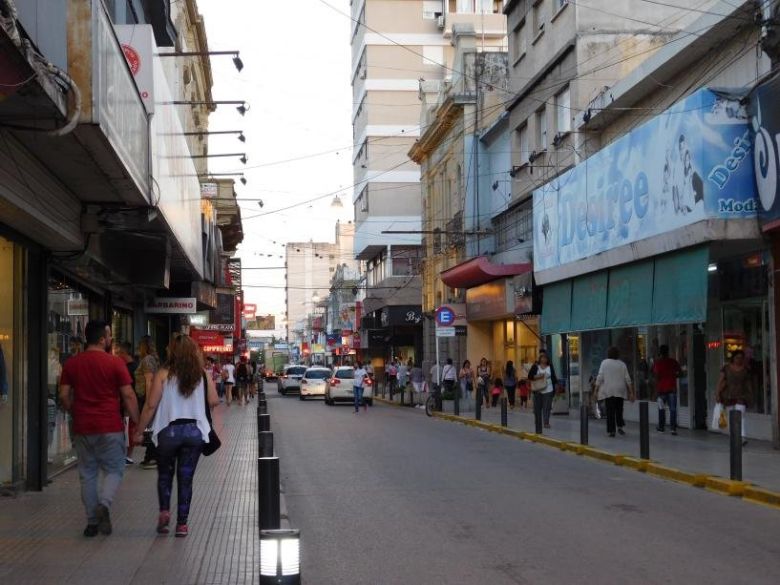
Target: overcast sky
(296,79)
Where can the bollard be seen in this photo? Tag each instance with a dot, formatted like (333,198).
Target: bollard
(478,404)
(583,424)
(402,397)
(504,421)
(456,398)
(262,407)
(735,444)
(263,422)
(644,430)
(268,492)
(266,446)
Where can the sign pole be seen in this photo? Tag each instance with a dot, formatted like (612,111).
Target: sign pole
(438,373)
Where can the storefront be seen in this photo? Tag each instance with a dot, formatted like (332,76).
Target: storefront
(501,315)
(663,251)
(393,332)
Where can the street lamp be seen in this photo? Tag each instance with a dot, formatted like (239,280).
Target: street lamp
(242,108)
(237,62)
(240,133)
(280,557)
(210,175)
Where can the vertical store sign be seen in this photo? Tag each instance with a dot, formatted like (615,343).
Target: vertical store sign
(137,44)
(765,122)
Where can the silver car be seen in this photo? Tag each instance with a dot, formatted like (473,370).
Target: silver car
(340,387)
(290,380)
(314,382)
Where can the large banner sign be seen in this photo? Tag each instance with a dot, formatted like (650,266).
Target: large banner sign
(690,163)
(765,119)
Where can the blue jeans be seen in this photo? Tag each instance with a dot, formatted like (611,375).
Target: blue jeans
(178,449)
(96,453)
(669,399)
(358,392)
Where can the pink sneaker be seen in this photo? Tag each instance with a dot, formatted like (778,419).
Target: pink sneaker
(181,530)
(162,523)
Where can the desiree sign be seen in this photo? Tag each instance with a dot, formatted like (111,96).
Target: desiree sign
(692,162)
(172,306)
(765,120)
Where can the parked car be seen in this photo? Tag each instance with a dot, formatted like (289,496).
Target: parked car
(290,380)
(314,382)
(341,383)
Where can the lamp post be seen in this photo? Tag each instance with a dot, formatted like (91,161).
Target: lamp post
(280,557)
(237,62)
(242,107)
(240,133)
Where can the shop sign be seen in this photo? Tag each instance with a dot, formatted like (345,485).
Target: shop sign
(492,300)
(172,306)
(281,346)
(400,316)
(333,340)
(255,344)
(765,120)
(78,307)
(265,323)
(317,348)
(209,190)
(218,349)
(451,315)
(137,42)
(203,338)
(250,311)
(223,327)
(445,332)
(524,298)
(356,340)
(689,164)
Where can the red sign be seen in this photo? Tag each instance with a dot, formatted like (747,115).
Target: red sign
(356,340)
(250,311)
(207,338)
(133,59)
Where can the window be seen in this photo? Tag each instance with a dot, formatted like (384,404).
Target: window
(405,260)
(538,15)
(520,43)
(522,143)
(563,111)
(514,227)
(363,200)
(466,6)
(541,129)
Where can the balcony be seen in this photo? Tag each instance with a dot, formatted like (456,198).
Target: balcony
(494,24)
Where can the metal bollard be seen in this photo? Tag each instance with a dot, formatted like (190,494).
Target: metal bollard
(402,397)
(583,424)
(478,404)
(262,407)
(504,421)
(456,399)
(266,446)
(263,422)
(268,492)
(735,444)
(644,430)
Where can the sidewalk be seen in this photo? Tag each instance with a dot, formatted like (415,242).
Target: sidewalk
(691,451)
(40,532)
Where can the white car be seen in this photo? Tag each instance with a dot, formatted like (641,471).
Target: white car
(314,382)
(340,387)
(290,380)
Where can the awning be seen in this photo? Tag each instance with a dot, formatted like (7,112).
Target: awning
(480,270)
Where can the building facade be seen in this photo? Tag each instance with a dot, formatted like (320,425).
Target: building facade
(394,44)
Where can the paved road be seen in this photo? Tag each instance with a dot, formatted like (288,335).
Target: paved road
(392,497)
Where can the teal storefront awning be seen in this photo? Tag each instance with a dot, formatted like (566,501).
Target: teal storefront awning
(680,287)
(589,302)
(669,289)
(556,308)
(630,295)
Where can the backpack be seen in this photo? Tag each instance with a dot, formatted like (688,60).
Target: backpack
(242,371)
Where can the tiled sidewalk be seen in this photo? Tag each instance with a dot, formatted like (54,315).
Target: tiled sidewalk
(692,451)
(41,541)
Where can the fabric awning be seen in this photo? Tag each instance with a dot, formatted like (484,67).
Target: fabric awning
(480,270)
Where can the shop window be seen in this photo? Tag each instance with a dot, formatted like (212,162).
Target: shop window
(10,291)
(69,311)
(745,328)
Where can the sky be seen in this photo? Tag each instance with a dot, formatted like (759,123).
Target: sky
(296,79)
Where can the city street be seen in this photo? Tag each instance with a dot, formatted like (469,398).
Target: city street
(391,496)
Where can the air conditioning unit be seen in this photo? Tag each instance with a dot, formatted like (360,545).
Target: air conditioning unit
(440,21)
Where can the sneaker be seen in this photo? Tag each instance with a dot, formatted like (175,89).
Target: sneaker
(104,520)
(674,432)
(151,464)
(611,434)
(661,429)
(621,431)
(181,530)
(129,461)
(91,530)
(162,522)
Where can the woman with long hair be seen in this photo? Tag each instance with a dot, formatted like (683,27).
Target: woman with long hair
(543,397)
(483,381)
(177,402)
(614,387)
(510,383)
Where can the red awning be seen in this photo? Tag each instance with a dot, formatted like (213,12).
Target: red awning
(480,270)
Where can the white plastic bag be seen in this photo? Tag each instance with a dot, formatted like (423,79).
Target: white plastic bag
(716,414)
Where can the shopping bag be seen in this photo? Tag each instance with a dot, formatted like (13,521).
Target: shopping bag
(719,420)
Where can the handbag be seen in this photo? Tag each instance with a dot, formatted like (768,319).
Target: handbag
(214,443)
(719,418)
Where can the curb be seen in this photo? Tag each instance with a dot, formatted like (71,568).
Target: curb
(744,490)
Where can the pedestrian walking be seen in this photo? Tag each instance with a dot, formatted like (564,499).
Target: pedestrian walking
(144,375)
(523,392)
(229,380)
(449,376)
(242,379)
(92,385)
(177,403)
(403,379)
(496,391)
(735,387)
(614,386)
(483,381)
(357,387)
(417,378)
(467,379)
(666,370)
(543,383)
(124,351)
(510,383)
(391,377)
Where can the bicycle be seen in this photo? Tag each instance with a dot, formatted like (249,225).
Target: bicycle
(433,402)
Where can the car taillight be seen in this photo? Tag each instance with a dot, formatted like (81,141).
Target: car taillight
(335,381)
(284,376)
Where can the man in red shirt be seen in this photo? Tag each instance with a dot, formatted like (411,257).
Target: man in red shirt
(91,386)
(666,370)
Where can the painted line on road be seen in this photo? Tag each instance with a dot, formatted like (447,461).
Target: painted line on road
(719,485)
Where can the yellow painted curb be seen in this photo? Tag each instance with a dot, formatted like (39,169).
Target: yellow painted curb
(726,486)
(599,454)
(761,496)
(694,479)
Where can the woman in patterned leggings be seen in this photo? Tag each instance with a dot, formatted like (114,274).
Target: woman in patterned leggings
(180,394)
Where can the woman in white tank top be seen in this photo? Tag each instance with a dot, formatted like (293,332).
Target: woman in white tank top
(178,402)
